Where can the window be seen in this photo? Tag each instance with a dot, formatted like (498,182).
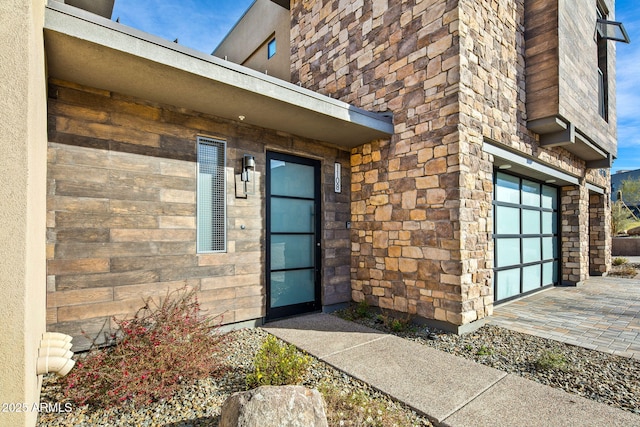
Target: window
(211,206)
(603,78)
(605,31)
(271,48)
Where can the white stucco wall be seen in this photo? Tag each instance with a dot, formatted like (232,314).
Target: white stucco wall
(23,138)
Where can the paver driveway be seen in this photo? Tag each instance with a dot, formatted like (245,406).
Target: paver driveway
(602,314)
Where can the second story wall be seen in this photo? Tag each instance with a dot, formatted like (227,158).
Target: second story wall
(248,43)
(578,51)
(562,69)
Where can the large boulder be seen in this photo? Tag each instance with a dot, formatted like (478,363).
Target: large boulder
(270,406)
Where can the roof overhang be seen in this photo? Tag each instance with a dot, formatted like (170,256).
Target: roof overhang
(89,50)
(554,131)
(283,3)
(103,8)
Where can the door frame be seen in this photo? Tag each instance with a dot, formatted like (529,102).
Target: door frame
(306,307)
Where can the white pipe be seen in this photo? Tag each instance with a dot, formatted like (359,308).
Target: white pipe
(54,354)
(56,343)
(59,365)
(56,336)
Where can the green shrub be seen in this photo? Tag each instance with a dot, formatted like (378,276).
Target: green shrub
(395,324)
(362,310)
(619,261)
(163,346)
(484,351)
(551,360)
(277,363)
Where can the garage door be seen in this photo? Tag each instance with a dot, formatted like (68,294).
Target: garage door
(526,235)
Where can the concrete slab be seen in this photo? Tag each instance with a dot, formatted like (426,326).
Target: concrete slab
(322,334)
(431,381)
(450,390)
(515,401)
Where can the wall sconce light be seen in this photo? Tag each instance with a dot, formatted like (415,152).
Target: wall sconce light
(248,173)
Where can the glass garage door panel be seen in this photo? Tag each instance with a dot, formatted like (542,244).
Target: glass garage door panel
(531,277)
(507,188)
(549,197)
(509,220)
(509,283)
(549,223)
(530,193)
(531,250)
(526,235)
(507,252)
(549,273)
(530,221)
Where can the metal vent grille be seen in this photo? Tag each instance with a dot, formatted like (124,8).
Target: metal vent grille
(212,210)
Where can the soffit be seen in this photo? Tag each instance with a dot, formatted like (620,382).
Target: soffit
(103,8)
(96,52)
(556,131)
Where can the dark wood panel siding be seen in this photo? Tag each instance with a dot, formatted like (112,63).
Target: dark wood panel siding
(541,58)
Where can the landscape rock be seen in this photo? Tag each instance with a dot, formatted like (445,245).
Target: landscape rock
(270,406)
(634,231)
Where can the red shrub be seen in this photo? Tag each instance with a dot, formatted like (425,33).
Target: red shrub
(163,346)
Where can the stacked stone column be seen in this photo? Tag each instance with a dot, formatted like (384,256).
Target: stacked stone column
(599,233)
(574,216)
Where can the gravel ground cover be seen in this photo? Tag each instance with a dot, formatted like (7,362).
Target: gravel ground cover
(603,377)
(627,270)
(200,403)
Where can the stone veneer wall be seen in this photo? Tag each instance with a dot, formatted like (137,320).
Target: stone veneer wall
(600,238)
(121,211)
(412,238)
(452,74)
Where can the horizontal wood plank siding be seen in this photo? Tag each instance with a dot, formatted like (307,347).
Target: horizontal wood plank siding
(121,211)
(542,61)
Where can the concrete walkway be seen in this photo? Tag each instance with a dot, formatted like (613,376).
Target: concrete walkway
(602,314)
(450,390)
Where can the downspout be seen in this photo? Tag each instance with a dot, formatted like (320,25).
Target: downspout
(54,354)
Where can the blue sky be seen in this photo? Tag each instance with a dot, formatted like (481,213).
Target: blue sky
(198,24)
(202,24)
(628,87)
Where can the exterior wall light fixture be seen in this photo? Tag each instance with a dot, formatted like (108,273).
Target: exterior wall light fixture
(248,174)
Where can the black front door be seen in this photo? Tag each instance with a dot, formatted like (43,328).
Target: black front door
(293,235)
